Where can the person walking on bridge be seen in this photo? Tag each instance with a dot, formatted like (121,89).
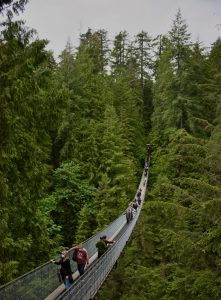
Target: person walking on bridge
(139,200)
(102,245)
(65,269)
(129,214)
(81,257)
(135,205)
(146,170)
(139,192)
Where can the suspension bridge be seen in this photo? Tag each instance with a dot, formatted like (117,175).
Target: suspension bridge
(42,282)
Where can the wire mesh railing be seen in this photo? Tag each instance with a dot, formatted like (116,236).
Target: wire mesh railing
(88,284)
(42,281)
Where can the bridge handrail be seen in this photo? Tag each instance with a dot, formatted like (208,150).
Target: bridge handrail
(41,281)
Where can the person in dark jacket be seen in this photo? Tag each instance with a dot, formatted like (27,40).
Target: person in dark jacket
(129,214)
(135,205)
(139,200)
(139,192)
(146,170)
(65,269)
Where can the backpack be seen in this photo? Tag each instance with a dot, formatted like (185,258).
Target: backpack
(74,255)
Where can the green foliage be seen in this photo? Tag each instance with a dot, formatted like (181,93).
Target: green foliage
(183,81)
(119,53)
(69,196)
(26,70)
(117,174)
(87,222)
(214,55)
(72,144)
(101,132)
(126,102)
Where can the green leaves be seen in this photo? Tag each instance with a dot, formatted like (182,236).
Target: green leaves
(70,194)
(25,146)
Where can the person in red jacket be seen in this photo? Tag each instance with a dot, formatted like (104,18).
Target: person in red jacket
(82,258)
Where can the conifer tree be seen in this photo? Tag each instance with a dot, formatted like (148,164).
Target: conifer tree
(126,100)
(214,155)
(180,42)
(116,169)
(66,65)
(25,146)
(70,194)
(119,54)
(77,133)
(142,48)
(182,82)
(97,47)
(10,7)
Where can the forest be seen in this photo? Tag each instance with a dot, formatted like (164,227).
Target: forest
(73,137)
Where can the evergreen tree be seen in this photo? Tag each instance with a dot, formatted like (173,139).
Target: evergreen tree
(119,54)
(97,47)
(214,154)
(65,71)
(78,134)
(182,83)
(142,48)
(180,41)
(70,194)
(173,66)
(9,7)
(117,179)
(25,146)
(127,105)
(214,55)
(142,51)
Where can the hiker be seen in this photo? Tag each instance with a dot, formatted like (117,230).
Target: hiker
(135,205)
(146,170)
(129,214)
(139,192)
(80,255)
(139,200)
(145,181)
(102,245)
(65,269)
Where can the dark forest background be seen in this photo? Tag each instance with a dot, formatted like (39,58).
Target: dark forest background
(72,148)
